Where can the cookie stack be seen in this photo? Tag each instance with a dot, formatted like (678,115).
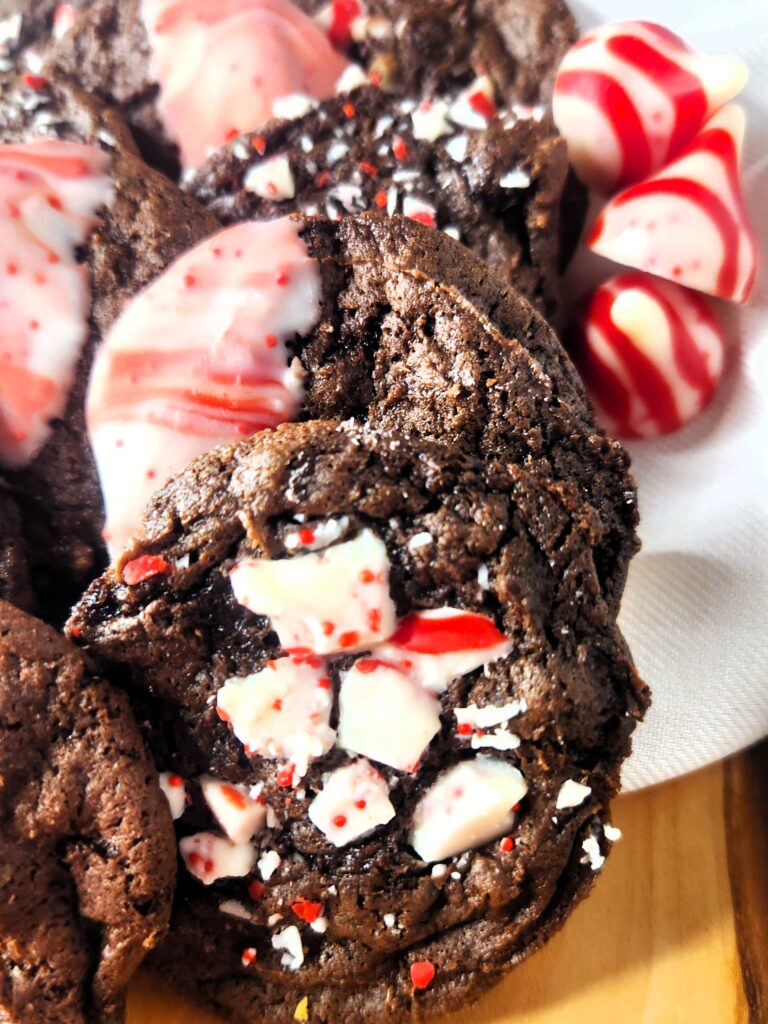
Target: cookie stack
(287,441)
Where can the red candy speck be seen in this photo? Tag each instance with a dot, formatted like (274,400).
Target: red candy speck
(306,910)
(422,973)
(284,777)
(507,844)
(307,536)
(349,110)
(360,804)
(368,168)
(175,781)
(424,217)
(328,628)
(223,715)
(374,620)
(380,199)
(400,149)
(248,957)
(277,705)
(282,279)
(343,13)
(465,729)
(340,820)
(234,796)
(258,142)
(349,639)
(483,104)
(256,890)
(35,81)
(144,568)
(324,683)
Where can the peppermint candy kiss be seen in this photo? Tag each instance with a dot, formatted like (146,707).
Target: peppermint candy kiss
(651,354)
(630,96)
(688,223)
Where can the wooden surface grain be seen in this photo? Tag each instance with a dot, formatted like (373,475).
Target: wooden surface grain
(676,931)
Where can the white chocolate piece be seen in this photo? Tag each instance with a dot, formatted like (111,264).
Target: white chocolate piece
(353,802)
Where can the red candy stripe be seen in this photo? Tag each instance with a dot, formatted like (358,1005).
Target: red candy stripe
(422,973)
(442,635)
(144,568)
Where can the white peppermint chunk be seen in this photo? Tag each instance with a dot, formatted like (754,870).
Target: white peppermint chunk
(572,794)
(499,739)
(385,715)
(295,104)
(271,179)
(327,602)
(516,179)
(612,834)
(282,711)
(290,940)
(592,853)
(268,864)
(490,715)
(457,148)
(467,111)
(209,857)
(352,77)
(236,811)
(435,647)
(235,909)
(467,806)
(175,793)
(419,210)
(430,120)
(352,803)
(420,540)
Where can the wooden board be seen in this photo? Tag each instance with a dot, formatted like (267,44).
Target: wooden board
(658,942)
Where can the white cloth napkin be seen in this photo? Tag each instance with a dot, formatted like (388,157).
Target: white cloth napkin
(696,603)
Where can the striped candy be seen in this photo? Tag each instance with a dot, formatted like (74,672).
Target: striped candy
(688,223)
(630,96)
(651,354)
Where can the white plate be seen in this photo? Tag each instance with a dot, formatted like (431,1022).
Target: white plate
(696,607)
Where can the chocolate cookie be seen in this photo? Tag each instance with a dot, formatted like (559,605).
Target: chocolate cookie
(87,861)
(14,578)
(497,188)
(136,223)
(357,652)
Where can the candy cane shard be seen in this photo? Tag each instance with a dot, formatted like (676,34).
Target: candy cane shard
(688,223)
(630,96)
(651,354)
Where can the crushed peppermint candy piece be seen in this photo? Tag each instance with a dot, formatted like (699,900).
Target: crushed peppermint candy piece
(289,940)
(475,106)
(293,106)
(422,973)
(385,715)
(499,739)
(612,834)
(353,802)
(516,179)
(420,540)
(268,864)
(430,120)
(271,179)
(456,148)
(64,17)
(249,956)
(435,647)
(234,908)
(307,910)
(352,77)
(466,807)
(239,815)
(327,602)
(420,211)
(209,857)
(593,855)
(488,716)
(572,794)
(283,711)
(144,568)
(175,792)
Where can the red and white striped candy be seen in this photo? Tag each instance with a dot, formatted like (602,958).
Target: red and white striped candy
(688,223)
(630,96)
(651,354)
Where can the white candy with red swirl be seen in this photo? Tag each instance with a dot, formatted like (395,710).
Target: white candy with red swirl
(283,711)
(651,354)
(436,646)
(631,95)
(688,223)
(210,857)
(385,715)
(199,359)
(50,193)
(221,66)
(239,815)
(325,602)
(466,807)
(353,802)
